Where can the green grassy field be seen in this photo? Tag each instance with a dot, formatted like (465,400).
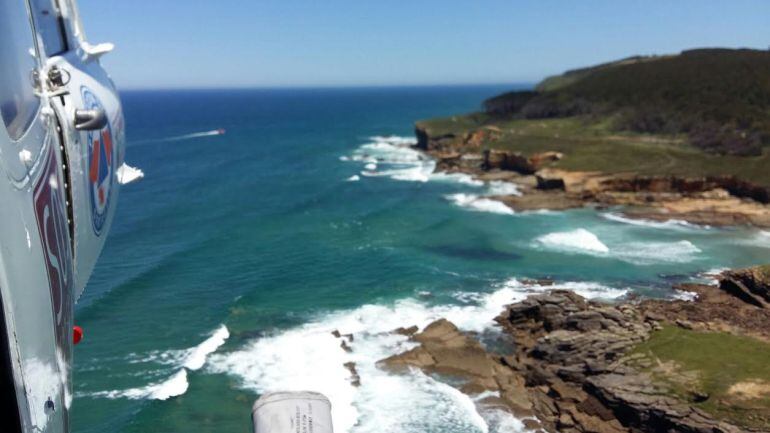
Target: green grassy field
(733,371)
(590,145)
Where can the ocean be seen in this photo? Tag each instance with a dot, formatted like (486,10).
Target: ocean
(230,264)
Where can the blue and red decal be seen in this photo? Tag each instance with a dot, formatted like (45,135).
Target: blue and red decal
(102,164)
(51,215)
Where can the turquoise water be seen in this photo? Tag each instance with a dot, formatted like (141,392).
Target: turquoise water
(230,264)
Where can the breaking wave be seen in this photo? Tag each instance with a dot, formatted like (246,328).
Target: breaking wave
(461,178)
(760,238)
(586,289)
(173,386)
(394,157)
(479,204)
(648,253)
(196,356)
(185,360)
(669,224)
(582,241)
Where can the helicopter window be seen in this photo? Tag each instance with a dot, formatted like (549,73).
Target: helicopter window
(18,67)
(49,25)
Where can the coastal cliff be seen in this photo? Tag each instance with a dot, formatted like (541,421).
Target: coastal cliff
(645,366)
(660,138)
(590,138)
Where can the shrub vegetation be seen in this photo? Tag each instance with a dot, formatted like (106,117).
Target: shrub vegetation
(718,98)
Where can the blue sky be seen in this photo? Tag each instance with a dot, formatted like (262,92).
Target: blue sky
(268,43)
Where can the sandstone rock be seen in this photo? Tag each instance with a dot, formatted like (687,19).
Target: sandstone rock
(565,420)
(503,160)
(715,201)
(565,392)
(355,379)
(751,285)
(686,324)
(742,188)
(571,367)
(532,424)
(417,357)
(445,349)
(428,142)
(543,200)
(406,331)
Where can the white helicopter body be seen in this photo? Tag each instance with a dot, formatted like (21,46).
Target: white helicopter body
(61,153)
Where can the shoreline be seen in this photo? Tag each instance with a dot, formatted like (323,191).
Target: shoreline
(707,201)
(530,386)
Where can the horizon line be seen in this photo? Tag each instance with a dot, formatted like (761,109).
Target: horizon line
(326,86)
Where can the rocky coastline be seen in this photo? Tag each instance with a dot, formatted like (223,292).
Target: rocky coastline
(707,200)
(583,366)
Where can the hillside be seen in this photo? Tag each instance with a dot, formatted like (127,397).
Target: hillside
(718,99)
(684,136)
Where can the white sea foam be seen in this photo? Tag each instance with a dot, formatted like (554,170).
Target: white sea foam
(684,295)
(394,158)
(500,421)
(582,241)
(760,238)
(574,241)
(710,277)
(394,140)
(173,386)
(460,178)
(648,253)
(353,178)
(713,273)
(415,173)
(480,204)
(586,289)
(309,357)
(196,356)
(183,360)
(498,187)
(669,224)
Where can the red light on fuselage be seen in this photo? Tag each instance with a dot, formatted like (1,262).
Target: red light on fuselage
(77,334)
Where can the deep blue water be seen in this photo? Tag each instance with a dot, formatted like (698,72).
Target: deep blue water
(259,239)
